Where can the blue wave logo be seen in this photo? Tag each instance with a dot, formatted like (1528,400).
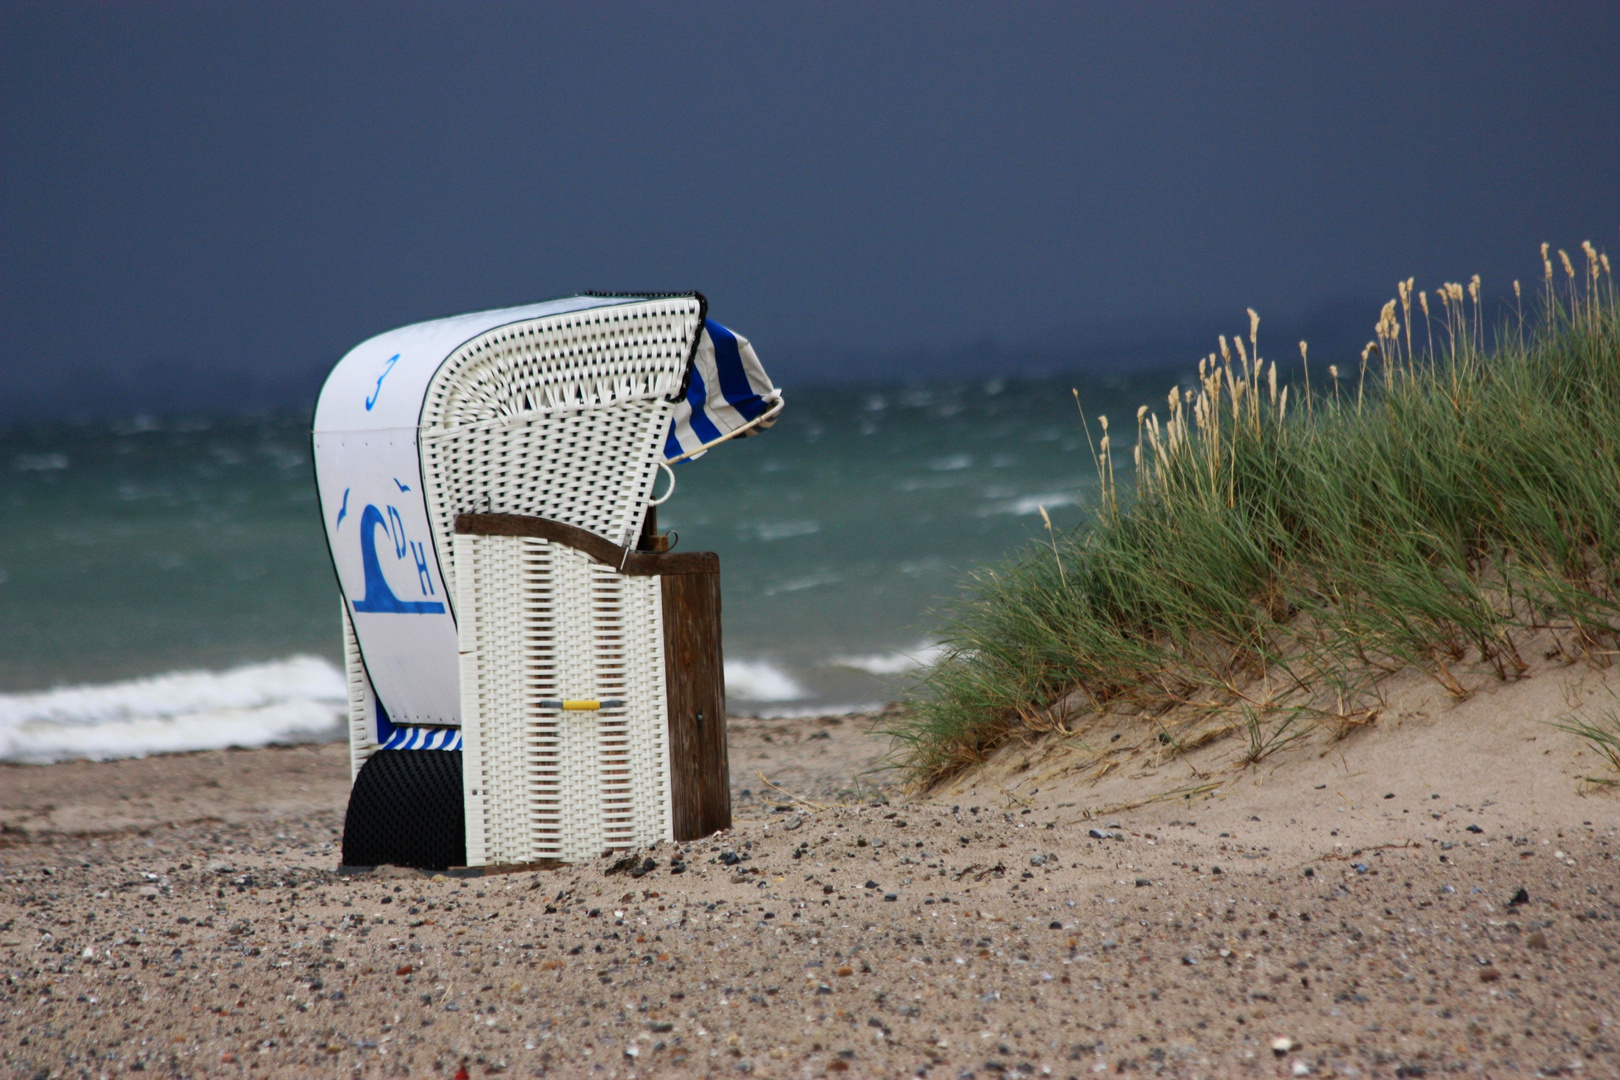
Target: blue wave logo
(380,598)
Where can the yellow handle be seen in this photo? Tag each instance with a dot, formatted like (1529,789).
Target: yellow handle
(582,704)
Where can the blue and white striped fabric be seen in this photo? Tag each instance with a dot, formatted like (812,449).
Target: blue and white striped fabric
(422,738)
(728,396)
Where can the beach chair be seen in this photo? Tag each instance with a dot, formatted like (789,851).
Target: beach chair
(532,677)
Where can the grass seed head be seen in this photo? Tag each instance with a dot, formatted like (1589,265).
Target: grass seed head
(1516,293)
(1423,302)
(1226,354)
(1333,371)
(1141,411)
(1254,326)
(1568,266)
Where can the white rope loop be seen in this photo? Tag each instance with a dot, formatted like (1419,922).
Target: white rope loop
(669,492)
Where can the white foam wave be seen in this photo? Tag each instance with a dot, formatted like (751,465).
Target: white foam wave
(893,663)
(40,462)
(802,583)
(300,697)
(1030,504)
(786,530)
(802,712)
(760,680)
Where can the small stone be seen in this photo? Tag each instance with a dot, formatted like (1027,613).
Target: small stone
(1037,860)
(1537,941)
(1301,1069)
(1520,897)
(793,823)
(1142,883)
(1096,834)
(1475,829)
(1282,1044)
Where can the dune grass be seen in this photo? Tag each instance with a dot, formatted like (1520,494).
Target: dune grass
(1284,546)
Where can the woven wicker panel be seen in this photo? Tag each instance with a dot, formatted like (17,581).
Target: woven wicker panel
(543,622)
(362,701)
(562,417)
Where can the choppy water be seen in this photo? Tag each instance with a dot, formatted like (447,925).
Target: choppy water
(165,585)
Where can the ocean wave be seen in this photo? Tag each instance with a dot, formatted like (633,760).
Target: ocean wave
(892,663)
(301,698)
(40,462)
(804,712)
(1030,504)
(760,680)
(802,583)
(785,530)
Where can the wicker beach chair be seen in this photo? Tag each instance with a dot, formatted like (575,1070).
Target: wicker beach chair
(531,678)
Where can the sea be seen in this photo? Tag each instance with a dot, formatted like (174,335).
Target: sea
(165,585)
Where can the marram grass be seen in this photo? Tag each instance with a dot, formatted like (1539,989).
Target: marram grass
(1278,554)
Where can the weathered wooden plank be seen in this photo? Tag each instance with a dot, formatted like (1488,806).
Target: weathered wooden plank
(700,772)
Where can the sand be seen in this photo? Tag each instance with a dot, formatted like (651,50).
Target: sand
(1435,892)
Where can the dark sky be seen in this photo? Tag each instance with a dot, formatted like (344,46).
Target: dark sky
(230,196)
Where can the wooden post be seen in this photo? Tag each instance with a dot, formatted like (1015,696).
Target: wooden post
(694,676)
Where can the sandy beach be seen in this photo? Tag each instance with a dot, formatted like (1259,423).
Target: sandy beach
(1433,893)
